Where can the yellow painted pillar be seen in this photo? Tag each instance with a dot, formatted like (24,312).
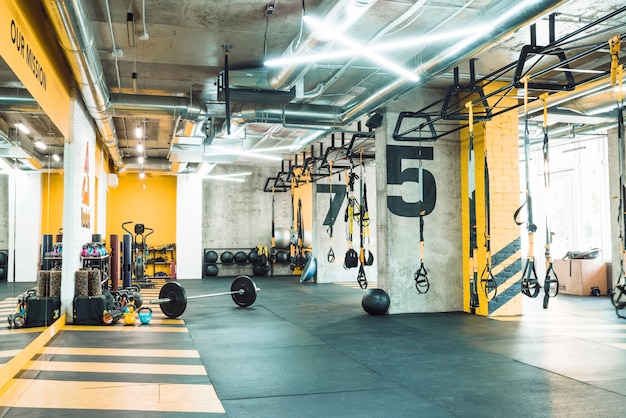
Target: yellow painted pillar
(496,142)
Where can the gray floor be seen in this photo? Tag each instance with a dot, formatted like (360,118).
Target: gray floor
(311,351)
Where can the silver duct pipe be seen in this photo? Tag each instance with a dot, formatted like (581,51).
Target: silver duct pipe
(503,18)
(337,14)
(159,107)
(591,98)
(71,24)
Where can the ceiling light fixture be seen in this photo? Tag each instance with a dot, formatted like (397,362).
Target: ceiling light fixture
(325,32)
(138,132)
(142,175)
(215,150)
(40,145)
(233,179)
(140,159)
(22,128)
(139,147)
(130,26)
(56,157)
(381,47)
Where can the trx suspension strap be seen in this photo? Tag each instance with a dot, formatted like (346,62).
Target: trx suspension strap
(489,284)
(471,183)
(530,282)
(352,210)
(361,278)
(273,255)
(421,275)
(331,254)
(618,294)
(551,281)
(300,259)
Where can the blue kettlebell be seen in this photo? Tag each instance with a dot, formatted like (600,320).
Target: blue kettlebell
(145,314)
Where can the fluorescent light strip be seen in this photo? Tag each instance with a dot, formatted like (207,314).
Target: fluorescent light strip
(249,153)
(223,178)
(577,70)
(362,50)
(382,47)
(22,128)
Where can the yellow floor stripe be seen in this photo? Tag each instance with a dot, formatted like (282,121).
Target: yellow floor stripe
(120,352)
(125,328)
(9,331)
(9,353)
(126,368)
(26,393)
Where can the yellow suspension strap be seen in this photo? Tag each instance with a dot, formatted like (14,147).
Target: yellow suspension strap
(273,251)
(551,281)
(618,293)
(352,257)
(363,218)
(487,280)
(471,194)
(293,239)
(530,282)
(331,254)
(421,275)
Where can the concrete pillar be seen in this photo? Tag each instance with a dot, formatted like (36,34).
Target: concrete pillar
(397,225)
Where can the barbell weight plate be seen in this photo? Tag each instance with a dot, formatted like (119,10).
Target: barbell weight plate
(248,296)
(175,292)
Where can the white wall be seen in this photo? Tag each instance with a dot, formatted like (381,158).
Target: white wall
(189,250)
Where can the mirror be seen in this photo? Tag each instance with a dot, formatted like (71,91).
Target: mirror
(31,164)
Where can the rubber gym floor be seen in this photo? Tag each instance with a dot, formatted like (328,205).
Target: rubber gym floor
(309,350)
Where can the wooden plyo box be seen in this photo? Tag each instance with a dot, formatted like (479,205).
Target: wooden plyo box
(578,276)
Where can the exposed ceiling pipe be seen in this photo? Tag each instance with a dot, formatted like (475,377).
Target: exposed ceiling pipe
(600,94)
(337,14)
(134,105)
(71,23)
(503,19)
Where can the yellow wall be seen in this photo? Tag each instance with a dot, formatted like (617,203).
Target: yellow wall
(151,201)
(51,203)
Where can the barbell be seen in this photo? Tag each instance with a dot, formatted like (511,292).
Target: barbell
(173,298)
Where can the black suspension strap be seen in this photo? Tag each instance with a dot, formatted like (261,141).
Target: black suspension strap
(301,259)
(352,211)
(473,244)
(530,282)
(293,242)
(551,281)
(618,293)
(421,275)
(361,278)
(331,254)
(487,280)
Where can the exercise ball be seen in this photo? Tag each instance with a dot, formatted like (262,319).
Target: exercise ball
(253,256)
(211,270)
(227,257)
(241,257)
(282,257)
(375,302)
(307,239)
(282,237)
(210,256)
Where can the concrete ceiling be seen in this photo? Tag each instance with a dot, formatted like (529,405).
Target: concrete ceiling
(180,50)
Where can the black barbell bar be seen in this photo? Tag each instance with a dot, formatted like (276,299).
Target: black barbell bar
(173,298)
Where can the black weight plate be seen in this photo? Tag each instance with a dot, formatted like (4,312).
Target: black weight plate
(246,298)
(178,299)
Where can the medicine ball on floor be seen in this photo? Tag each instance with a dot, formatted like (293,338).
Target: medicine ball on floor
(375,302)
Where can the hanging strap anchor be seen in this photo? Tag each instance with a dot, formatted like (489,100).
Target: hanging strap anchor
(473,245)
(421,275)
(551,281)
(530,281)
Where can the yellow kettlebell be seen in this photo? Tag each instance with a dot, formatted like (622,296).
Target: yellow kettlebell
(129,314)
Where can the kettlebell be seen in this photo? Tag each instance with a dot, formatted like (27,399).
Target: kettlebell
(145,314)
(129,314)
